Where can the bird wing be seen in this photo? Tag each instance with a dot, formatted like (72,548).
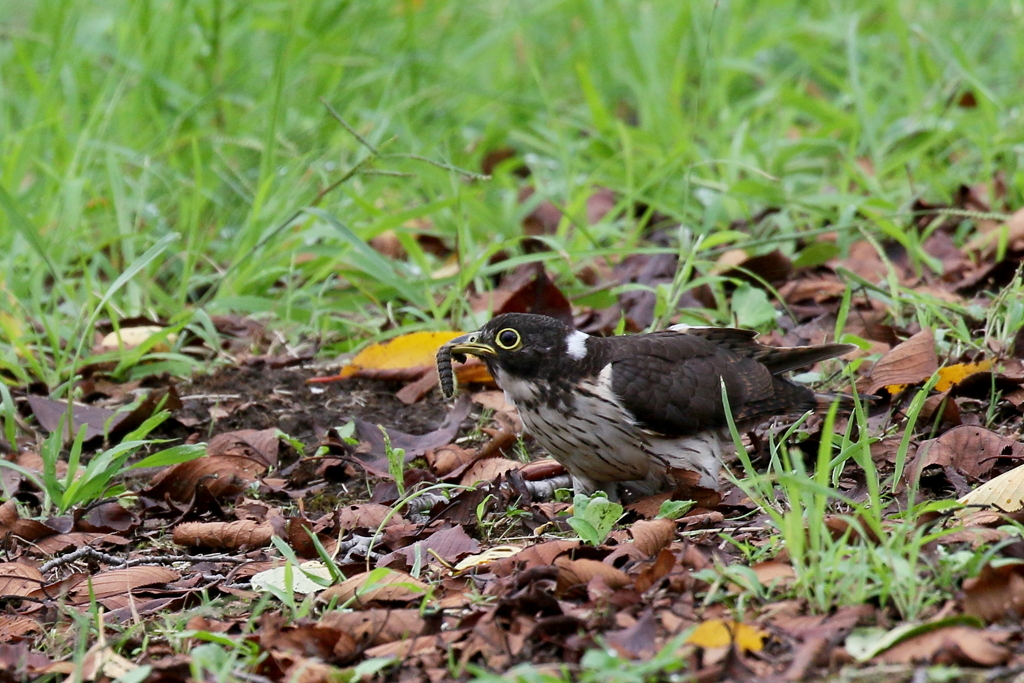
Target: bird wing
(671,382)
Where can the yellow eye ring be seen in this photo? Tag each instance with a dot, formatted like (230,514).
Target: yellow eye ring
(508,339)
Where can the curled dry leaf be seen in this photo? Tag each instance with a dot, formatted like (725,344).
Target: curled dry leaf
(121,582)
(19,580)
(224,535)
(488,470)
(909,362)
(580,572)
(545,468)
(651,535)
(447,459)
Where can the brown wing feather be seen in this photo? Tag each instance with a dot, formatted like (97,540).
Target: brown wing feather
(671,382)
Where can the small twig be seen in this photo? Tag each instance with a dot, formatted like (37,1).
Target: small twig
(93,554)
(84,552)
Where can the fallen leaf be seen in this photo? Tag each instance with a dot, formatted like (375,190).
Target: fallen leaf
(450,545)
(492,554)
(113,582)
(224,535)
(651,535)
(412,354)
(384,585)
(132,337)
(300,580)
(372,449)
(19,580)
(1004,493)
(377,626)
(950,645)
(909,362)
(716,633)
(222,475)
(972,451)
(996,592)
(488,470)
(952,375)
(576,572)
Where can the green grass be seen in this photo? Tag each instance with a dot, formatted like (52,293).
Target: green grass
(200,123)
(169,159)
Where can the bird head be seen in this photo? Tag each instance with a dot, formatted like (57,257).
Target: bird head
(521,345)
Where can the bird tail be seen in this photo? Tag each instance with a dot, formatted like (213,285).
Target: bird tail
(779,360)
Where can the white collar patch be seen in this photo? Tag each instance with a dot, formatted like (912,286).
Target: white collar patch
(576,345)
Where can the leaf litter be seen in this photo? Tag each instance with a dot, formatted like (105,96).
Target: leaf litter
(432,546)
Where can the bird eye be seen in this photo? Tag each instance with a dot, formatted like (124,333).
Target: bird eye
(508,339)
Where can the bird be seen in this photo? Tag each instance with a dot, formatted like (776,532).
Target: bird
(625,414)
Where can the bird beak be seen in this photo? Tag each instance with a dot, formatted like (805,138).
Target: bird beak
(467,344)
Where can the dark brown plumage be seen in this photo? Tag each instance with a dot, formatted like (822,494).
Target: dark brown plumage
(629,409)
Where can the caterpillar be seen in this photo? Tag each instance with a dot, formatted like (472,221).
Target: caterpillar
(445,374)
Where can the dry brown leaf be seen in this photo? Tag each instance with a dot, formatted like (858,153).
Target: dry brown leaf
(223,475)
(774,573)
(367,516)
(576,572)
(450,545)
(224,535)
(121,582)
(377,626)
(447,459)
(52,545)
(19,580)
(909,362)
(651,535)
(996,592)
(950,645)
(488,470)
(972,451)
(13,626)
(389,586)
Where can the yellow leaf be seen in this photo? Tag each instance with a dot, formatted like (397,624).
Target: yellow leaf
(1005,492)
(718,633)
(413,350)
(952,375)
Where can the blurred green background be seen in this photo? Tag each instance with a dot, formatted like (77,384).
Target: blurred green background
(187,138)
